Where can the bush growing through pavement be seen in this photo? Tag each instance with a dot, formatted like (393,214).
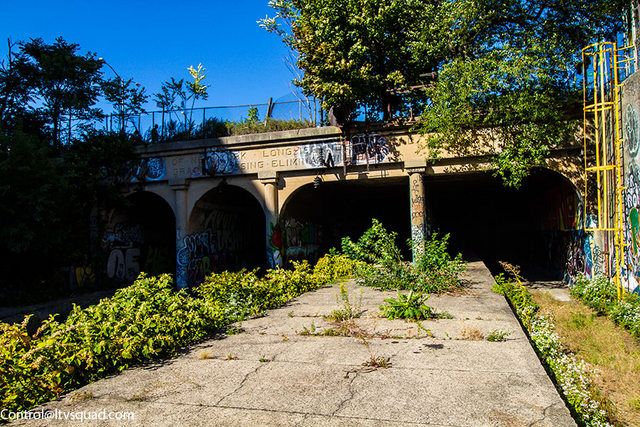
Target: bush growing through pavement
(438,270)
(334,266)
(412,306)
(433,271)
(377,245)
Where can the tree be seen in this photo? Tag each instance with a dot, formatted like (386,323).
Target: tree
(492,69)
(514,77)
(49,190)
(16,88)
(33,197)
(356,52)
(175,95)
(126,96)
(67,83)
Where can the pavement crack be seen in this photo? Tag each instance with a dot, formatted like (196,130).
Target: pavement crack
(351,392)
(246,377)
(302,421)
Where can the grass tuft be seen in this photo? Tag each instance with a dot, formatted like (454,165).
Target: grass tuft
(498,335)
(471,334)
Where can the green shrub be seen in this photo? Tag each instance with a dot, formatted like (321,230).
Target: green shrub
(243,293)
(144,321)
(411,306)
(598,293)
(601,295)
(334,267)
(438,271)
(29,375)
(394,276)
(520,298)
(626,313)
(211,128)
(215,128)
(239,292)
(376,246)
(271,125)
(434,270)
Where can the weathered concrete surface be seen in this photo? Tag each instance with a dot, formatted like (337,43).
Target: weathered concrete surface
(557,289)
(272,375)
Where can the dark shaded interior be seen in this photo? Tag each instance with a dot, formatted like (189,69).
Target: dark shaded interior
(315,219)
(226,232)
(140,237)
(531,227)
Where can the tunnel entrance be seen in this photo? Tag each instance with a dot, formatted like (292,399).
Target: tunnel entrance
(532,227)
(139,237)
(315,219)
(226,232)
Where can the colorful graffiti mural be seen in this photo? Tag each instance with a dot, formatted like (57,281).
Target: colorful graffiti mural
(221,162)
(584,257)
(222,244)
(369,148)
(321,155)
(360,149)
(123,244)
(302,240)
(632,198)
(276,248)
(199,248)
(149,169)
(79,277)
(418,216)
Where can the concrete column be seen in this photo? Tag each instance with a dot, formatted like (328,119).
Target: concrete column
(182,228)
(274,237)
(418,211)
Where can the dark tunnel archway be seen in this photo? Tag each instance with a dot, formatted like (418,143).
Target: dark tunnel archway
(531,227)
(315,219)
(226,232)
(140,236)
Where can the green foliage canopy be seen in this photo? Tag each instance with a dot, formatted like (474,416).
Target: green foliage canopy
(480,70)
(48,190)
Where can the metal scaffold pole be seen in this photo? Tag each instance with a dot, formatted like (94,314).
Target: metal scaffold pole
(603,64)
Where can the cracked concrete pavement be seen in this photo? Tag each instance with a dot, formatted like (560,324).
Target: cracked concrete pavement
(272,375)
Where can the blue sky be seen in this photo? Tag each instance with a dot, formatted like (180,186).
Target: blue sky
(154,40)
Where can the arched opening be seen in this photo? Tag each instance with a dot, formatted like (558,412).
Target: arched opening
(534,227)
(140,237)
(314,219)
(226,232)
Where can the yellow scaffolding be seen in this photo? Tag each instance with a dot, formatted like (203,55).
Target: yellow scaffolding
(603,65)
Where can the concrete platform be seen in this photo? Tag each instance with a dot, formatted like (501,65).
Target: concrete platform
(271,375)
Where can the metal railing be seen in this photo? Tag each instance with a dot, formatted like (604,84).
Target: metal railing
(202,122)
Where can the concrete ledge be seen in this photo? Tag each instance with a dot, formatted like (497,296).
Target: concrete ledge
(286,136)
